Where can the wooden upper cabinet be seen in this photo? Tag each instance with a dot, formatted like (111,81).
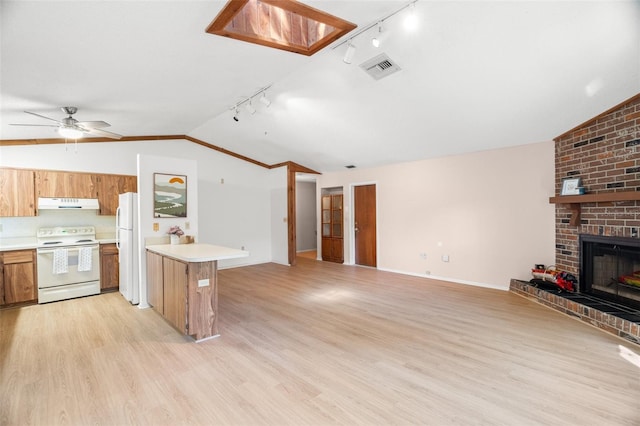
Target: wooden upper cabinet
(17,192)
(109,187)
(65,184)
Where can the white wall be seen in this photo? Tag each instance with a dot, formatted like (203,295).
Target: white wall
(306,216)
(234,213)
(488,211)
(279,213)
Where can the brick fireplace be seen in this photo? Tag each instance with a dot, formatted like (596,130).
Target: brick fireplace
(605,153)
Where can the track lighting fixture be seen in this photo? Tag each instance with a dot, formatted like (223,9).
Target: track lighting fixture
(375,41)
(265,100)
(248,103)
(349,54)
(411,20)
(411,23)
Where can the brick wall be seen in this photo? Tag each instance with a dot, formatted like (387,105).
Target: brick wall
(605,153)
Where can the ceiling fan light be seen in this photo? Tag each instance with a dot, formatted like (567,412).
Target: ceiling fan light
(70,133)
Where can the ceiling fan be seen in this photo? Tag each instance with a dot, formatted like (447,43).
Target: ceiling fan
(70,128)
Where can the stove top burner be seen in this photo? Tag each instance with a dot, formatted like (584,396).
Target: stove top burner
(66,236)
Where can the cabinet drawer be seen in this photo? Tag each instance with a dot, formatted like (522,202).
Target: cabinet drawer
(20,256)
(109,248)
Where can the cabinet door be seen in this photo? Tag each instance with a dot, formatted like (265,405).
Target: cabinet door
(65,184)
(109,267)
(17,192)
(19,276)
(155,284)
(2,302)
(109,187)
(175,293)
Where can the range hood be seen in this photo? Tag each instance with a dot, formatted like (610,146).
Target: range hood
(68,203)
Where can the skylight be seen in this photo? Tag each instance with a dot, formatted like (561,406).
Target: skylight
(286,25)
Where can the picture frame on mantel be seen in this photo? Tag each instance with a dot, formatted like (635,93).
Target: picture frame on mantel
(571,186)
(169,195)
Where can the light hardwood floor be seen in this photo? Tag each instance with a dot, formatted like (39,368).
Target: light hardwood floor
(315,344)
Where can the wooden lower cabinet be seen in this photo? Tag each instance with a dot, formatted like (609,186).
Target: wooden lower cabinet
(184,293)
(109,267)
(18,277)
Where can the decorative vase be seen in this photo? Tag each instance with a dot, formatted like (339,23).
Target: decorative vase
(175,239)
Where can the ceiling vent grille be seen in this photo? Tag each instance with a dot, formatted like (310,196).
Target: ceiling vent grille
(380,66)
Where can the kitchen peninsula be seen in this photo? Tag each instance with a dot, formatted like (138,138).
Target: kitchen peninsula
(182,285)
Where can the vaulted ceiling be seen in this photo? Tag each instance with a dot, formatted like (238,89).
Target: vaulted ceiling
(474,75)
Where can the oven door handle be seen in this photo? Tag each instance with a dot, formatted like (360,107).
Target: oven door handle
(47,251)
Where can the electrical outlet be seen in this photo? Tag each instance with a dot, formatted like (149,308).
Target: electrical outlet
(242,248)
(203,283)
(428,273)
(423,256)
(445,257)
(187,225)
(156,226)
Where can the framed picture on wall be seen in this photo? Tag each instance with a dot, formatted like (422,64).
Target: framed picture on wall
(169,195)
(571,186)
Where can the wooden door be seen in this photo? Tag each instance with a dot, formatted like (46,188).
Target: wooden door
(109,267)
(175,293)
(155,282)
(19,276)
(17,192)
(364,213)
(108,189)
(65,184)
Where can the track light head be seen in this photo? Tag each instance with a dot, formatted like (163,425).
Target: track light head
(250,109)
(235,116)
(375,41)
(265,100)
(349,54)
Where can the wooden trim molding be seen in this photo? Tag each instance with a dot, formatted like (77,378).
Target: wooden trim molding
(292,169)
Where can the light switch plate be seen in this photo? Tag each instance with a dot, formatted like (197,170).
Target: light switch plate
(203,283)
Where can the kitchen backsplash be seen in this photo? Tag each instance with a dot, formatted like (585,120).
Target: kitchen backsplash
(17,227)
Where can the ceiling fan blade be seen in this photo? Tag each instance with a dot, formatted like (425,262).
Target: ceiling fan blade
(93,124)
(36,125)
(42,116)
(103,133)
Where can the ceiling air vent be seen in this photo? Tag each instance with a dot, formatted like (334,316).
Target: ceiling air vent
(380,66)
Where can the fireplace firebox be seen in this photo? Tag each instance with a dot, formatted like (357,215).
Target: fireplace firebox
(610,268)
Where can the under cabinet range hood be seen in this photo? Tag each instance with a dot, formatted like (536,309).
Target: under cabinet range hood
(68,203)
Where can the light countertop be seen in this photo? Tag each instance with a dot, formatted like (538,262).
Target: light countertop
(27,243)
(21,243)
(197,252)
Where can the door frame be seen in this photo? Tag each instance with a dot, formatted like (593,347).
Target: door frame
(352,223)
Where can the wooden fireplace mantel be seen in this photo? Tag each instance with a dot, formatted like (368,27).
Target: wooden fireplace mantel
(575,201)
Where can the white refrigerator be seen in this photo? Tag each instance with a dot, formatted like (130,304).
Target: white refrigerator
(127,243)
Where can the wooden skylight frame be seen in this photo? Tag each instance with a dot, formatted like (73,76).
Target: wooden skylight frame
(282,24)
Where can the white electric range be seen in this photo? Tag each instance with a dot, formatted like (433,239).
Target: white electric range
(68,263)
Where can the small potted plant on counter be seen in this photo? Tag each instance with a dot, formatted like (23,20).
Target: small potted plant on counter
(175,233)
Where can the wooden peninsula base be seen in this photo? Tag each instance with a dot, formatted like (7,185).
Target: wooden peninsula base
(182,285)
